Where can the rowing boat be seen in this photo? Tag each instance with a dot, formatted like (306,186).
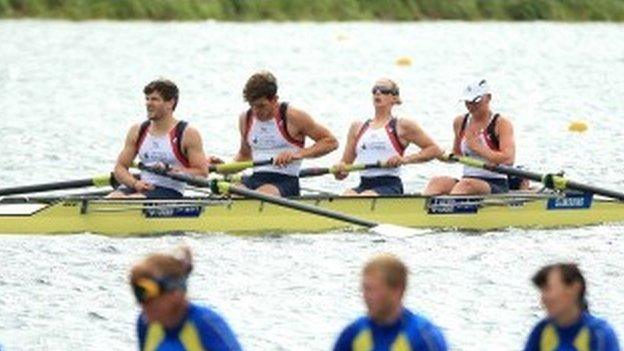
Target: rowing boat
(58,215)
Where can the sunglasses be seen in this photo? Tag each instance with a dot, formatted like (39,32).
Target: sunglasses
(385,90)
(146,289)
(475,101)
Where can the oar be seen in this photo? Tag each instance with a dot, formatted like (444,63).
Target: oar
(99,182)
(235,167)
(552,181)
(224,187)
(319,171)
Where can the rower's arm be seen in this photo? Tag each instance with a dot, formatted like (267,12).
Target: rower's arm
(411,132)
(244,150)
(125,158)
(349,154)
(506,154)
(325,141)
(194,147)
(457,138)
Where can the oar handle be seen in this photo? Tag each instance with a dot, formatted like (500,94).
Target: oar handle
(235,167)
(319,171)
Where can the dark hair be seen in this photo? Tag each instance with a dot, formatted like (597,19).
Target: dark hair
(570,274)
(166,88)
(260,85)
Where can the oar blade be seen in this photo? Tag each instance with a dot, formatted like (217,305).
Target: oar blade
(396,231)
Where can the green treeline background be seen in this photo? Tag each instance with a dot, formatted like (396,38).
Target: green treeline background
(317,10)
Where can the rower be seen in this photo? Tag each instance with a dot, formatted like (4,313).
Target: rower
(384,139)
(568,325)
(388,325)
(271,129)
(169,321)
(483,135)
(161,139)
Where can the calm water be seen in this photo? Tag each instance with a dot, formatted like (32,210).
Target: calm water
(69,91)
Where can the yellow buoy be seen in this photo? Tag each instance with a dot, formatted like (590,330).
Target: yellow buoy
(404,61)
(577,126)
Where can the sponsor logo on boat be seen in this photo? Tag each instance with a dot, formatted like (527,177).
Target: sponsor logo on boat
(453,206)
(172,212)
(570,201)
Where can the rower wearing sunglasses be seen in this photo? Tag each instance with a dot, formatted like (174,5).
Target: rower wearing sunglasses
(384,139)
(480,134)
(169,321)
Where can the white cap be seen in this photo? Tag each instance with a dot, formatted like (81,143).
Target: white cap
(475,89)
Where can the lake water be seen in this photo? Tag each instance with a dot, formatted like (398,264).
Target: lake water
(69,91)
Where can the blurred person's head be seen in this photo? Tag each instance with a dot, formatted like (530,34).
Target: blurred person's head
(159,283)
(384,280)
(563,290)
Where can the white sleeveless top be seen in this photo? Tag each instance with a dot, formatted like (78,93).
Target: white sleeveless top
(268,139)
(155,149)
(466,151)
(377,144)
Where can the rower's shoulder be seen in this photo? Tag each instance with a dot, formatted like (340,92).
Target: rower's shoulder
(355,126)
(504,118)
(293,111)
(458,121)
(191,132)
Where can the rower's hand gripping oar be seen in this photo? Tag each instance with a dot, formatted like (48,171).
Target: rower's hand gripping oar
(98,182)
(551,181)
(235,167)
(224,187)
(319,171)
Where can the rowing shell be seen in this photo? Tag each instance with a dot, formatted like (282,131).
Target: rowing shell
(57,215)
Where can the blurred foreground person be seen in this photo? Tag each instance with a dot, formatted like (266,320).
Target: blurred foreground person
(388,325)
(169,321)
(568,325)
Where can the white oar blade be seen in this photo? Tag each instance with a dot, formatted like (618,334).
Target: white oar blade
(393,230)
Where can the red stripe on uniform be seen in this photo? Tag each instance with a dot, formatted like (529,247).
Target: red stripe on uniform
(177,152)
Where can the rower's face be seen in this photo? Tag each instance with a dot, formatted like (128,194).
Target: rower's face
(481,103)
(156,106)
(557,297)
(381,93)
(263,108)
(381,300)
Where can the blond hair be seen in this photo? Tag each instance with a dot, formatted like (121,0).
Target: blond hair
(393,270)
(175,265)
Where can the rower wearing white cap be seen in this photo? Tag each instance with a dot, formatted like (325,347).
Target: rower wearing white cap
(480,134)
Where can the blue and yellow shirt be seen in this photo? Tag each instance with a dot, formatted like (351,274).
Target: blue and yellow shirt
(201,330)
(410,333)
(588,334)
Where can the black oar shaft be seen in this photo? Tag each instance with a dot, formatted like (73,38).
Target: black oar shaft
(552,181)
(65,185)
(300,206)
(319,171)
(284,202)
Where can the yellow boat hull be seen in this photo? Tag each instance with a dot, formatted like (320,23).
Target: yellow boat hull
(246,216)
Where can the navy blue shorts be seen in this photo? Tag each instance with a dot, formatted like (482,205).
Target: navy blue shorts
(384,185)
(287,185)
(497,185)
(158,192)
